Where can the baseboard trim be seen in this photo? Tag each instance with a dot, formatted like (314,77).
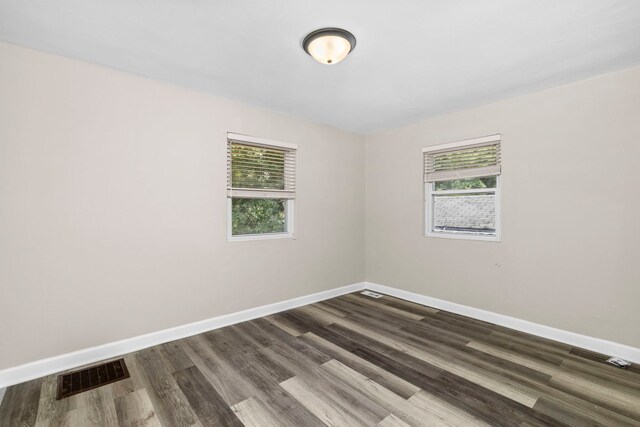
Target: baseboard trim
(78,358)
(589,343)
(67,361)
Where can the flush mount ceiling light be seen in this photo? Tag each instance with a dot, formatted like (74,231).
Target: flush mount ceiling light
(329,45)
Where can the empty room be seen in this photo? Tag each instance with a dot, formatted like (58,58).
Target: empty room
(319,213)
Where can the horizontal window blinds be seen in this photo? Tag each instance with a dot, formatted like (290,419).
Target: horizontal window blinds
(459,161)
(260,171)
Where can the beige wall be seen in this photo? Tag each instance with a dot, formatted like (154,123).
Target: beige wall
(113,208)
(570,207)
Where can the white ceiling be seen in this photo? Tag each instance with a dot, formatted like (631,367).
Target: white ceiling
(414,58)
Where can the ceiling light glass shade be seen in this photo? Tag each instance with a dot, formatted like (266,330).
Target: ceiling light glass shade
(329,45)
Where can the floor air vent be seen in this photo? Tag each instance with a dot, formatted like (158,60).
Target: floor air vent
(90,378)
(620,363)
(371,294)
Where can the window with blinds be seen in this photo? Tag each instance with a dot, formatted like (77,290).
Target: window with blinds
(462,189)
(261,187)
(464,162)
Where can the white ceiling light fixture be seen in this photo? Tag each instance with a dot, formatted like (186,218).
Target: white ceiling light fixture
(329,45)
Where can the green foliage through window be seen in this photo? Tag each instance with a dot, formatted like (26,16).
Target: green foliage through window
(467,184)
(257,216)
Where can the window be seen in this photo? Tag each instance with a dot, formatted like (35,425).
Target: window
(462,189)
(261,188)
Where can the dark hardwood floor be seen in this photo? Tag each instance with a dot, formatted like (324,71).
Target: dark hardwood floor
(348,361)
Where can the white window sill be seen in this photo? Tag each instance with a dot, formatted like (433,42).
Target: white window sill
(464,236)
(266,236)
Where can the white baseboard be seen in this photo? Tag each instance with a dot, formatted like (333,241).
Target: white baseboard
(78,358)
(67,361)
(589,343)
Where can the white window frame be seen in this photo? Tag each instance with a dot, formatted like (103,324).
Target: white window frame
(430,192)
(289,203)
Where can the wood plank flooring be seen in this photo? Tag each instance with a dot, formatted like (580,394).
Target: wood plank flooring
(348,361)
